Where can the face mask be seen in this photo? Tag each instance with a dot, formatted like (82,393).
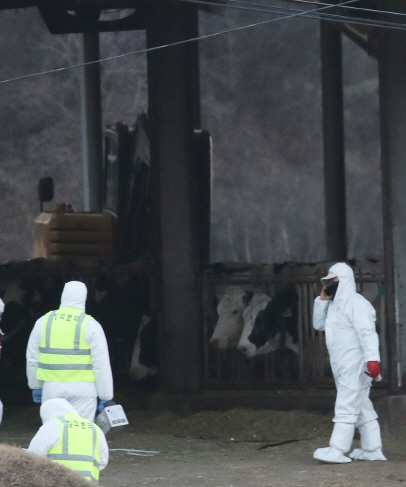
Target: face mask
(331,289)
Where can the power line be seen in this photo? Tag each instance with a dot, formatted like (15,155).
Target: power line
(164,46)
(311,13)
(263,6)
(286,14)
(360,9)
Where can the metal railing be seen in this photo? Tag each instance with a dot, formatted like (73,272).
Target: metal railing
(310,367)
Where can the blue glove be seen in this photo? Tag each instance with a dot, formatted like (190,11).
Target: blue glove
(37,395)
(100,407)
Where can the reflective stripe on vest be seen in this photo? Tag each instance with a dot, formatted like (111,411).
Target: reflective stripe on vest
(78,447)
(64,352)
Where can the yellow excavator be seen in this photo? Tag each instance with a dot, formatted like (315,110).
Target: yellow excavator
(63,234)
(120,231)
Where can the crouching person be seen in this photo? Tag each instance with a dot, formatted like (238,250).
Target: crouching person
(70,440)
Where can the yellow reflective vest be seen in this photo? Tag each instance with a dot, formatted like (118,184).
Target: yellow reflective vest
(64,353)
(78,447)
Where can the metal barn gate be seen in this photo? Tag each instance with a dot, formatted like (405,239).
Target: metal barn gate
(310,367)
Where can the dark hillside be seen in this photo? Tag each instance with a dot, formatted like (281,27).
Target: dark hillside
(260,100)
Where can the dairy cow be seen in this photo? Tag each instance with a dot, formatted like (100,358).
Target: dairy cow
(278,322)
(122,307)
(117,302)
(230,322)
(144,359)
(257,305)
(21,298)
(15,313)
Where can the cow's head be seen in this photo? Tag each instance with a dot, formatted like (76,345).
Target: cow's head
(257,305)
(230,322)
(277,319)
(265,326)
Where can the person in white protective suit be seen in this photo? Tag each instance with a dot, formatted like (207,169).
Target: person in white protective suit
(67,355)
(348,320)
(1,333)
(70,440)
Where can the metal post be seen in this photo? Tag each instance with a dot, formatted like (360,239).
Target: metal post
(392,82)
(92,134)
(333,139)
(173,90)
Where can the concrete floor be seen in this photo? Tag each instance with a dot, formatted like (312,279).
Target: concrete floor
(222,449)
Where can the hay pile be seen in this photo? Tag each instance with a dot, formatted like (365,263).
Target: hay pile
(19,468)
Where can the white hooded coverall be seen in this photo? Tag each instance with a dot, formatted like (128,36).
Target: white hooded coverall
(349,324)
(82,395)
(1,312)
(48,436)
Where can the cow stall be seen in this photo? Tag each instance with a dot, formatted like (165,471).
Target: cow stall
(119,297)
(122,298)
(294,354)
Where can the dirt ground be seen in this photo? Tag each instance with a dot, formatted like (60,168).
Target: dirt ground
(234,448)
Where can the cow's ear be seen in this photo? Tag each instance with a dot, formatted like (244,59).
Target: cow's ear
(248,296)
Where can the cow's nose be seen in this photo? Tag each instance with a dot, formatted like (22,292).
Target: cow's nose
(243,349)
(213,341)
(219,342)
(249,350)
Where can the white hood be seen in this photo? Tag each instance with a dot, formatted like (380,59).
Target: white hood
(74,295)
(1,306)
(346,285)
(53,408)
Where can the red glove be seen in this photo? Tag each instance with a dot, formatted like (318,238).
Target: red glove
(373,369)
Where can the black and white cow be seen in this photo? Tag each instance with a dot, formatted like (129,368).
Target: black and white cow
(117,300)
(122,307)
(278,322)
(258,303)
(230,321)
(144,360)
(24,304)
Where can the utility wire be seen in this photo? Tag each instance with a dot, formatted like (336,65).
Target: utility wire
(151,49)
(311,13)
(263,5)
(360,9)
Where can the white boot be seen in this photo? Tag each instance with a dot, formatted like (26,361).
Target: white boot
(360,454)
(330,455)
(340,443)
(371,443)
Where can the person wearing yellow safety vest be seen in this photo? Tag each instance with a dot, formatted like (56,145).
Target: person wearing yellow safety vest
(70,440)
(67,355)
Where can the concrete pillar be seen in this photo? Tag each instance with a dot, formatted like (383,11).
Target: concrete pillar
(333,142)
(92,133)
(173,91)
(392,92)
